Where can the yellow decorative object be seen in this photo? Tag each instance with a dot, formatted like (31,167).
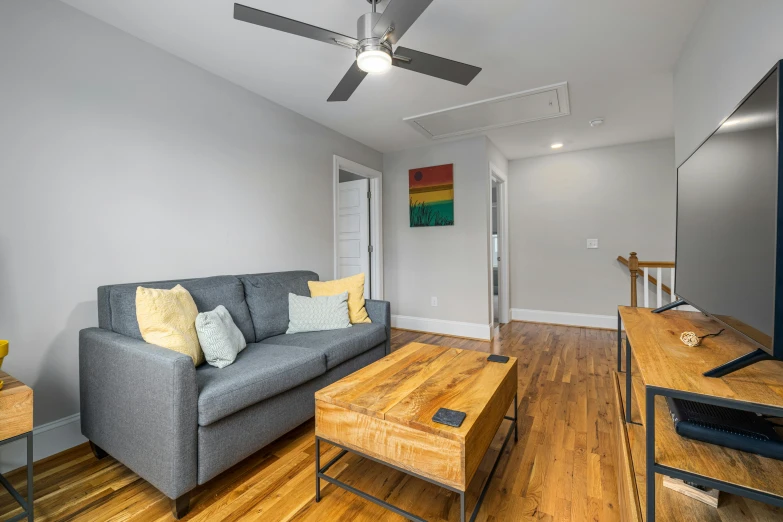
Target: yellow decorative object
(3,351)
(354,285)
(167,318)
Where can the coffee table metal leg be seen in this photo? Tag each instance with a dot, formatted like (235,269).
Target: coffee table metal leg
(492,472)
(317,469)
(462,507)
(30,500)
(516,423)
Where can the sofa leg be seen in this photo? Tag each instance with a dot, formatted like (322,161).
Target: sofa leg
(180,505)
(97,451)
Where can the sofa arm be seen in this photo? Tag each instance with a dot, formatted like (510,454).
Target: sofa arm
(139,403)
(380,312)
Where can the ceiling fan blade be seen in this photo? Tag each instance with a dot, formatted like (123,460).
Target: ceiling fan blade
(401,13)
(281,23)
(348,84)
(436,66)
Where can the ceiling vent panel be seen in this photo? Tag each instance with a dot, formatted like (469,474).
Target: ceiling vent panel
(513,109)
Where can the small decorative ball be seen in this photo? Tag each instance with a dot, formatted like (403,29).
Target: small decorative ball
(690,339)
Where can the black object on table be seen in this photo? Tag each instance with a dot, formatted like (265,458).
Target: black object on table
(497,358)
(449,417)
(737,429)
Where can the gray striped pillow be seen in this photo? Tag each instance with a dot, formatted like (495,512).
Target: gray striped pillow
(221,340)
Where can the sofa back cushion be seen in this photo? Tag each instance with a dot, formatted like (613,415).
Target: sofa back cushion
(267,298)
(117,303)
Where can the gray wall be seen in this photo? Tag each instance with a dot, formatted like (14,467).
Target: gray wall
(624,196)
(729,50)
(450,263)
(121,163)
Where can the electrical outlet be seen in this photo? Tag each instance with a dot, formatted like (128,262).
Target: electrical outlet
(592,243)
(434,301)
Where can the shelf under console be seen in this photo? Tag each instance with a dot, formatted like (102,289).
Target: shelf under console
(663,365)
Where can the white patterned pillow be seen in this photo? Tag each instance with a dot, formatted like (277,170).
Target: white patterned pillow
(221,340)
(314,314)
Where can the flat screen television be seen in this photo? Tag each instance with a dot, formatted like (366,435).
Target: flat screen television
(729,216)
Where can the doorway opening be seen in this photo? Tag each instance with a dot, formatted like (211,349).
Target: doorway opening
(499,293)
(494,254)
(358,239)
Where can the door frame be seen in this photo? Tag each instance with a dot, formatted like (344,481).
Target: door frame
(504,293)
(376,221)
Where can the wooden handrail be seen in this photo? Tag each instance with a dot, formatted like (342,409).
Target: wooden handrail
(656,264)
(649,264)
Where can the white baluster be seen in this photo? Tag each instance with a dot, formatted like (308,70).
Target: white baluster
(659,295)
(674,298)
(646,282)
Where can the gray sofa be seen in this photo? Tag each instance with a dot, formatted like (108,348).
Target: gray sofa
(178,426)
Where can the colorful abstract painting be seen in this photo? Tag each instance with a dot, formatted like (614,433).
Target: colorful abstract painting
(431,191)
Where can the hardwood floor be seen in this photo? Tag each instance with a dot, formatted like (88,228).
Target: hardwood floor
(561,469)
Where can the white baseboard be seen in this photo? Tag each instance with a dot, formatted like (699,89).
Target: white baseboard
(566,318)
(48,439)
(442,327)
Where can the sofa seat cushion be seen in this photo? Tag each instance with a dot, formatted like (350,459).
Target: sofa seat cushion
(337,346)
(258,373)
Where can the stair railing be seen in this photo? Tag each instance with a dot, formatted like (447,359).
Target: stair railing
(634,266)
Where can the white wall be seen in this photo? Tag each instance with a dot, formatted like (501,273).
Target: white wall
(450,263)
(623,195)
(731,48)
(122,163)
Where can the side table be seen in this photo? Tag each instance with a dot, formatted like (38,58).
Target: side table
(16,422)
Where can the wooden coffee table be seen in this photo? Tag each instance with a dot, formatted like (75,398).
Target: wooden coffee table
(384,412)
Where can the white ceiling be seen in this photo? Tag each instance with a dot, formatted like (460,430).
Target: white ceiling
(616,55)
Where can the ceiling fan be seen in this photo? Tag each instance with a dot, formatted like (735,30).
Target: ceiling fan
(377,33)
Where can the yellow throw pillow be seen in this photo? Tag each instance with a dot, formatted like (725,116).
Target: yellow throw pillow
(354,285)
(167,318)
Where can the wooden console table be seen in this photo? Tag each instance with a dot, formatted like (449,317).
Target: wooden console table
(16,422)
(659,365)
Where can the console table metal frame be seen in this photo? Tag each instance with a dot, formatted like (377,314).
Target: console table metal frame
(320,473)
(651,467)
(27,505)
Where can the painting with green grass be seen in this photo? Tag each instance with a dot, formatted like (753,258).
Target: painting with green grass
(431,192)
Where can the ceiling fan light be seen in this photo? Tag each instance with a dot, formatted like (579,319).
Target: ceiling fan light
(374,61)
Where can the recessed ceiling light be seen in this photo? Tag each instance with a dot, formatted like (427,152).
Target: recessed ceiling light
(557,145)
(596,122)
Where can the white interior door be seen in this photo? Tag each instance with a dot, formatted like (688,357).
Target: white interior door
(353,231)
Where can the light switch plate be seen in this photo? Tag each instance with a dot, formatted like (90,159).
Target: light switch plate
(434,301)
(592,243)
